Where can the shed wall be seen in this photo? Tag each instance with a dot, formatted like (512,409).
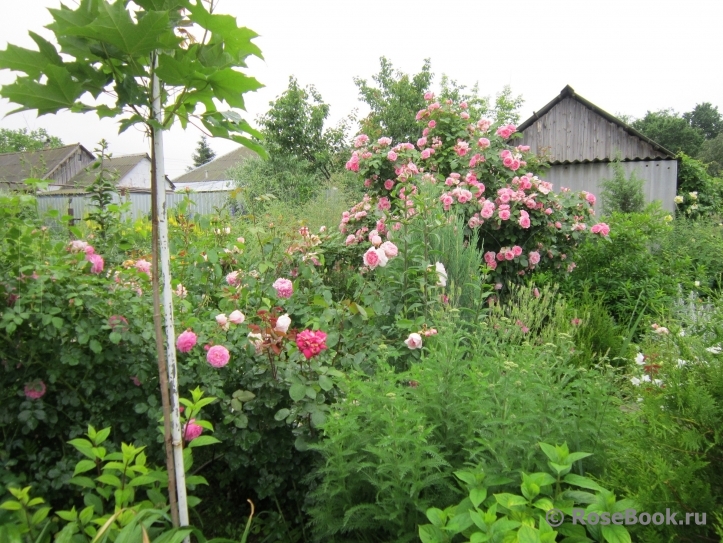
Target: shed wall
(572,132)
(660,178)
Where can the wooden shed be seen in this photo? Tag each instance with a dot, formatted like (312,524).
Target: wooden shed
(580,141)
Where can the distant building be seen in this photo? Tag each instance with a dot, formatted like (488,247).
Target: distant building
(58,166)
(213,176)
(580,140)
(132,172)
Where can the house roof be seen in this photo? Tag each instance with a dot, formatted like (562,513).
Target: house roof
(569,92)
(16,167)
(217,168)
(120,166)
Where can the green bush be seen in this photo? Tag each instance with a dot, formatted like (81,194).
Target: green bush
(622,194)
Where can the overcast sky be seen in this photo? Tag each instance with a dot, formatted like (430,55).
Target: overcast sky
(624,56)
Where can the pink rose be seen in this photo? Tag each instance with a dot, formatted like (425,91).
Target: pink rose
(391,155)
(384,141)
(311,343)
(414,341)
(192,430)
(222,320)
(350,239)
(388,184)
(432,124)
(186,341)
(236,317)
(218,356)
(427,153)
(233,279)
(504,214)
(376,240)
(35,390)
(389,249)
(534,258)
(517,250)
(483,143)
(421,142)
(371,258)
(283,323)
(96,261)
(509,254)
(284,287)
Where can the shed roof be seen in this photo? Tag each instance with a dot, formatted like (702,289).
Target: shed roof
(120,166)
(217,168)
(16,167)
(640,146)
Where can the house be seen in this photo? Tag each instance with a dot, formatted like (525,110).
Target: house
(213,176)
(580,141)
(132,174)
(58,166)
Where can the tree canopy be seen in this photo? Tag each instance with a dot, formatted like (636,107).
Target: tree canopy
(670,130)
(20,140)
(705,118)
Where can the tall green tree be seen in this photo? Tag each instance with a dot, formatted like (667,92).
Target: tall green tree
(20,140)
(394,99)
(706,118)
(146,57)
(711,153)
(670,130)
(204,153)
(294,127)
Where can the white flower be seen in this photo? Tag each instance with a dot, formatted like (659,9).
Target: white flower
(640,359)
(697,283)
(442,273)
(383,258)
(681,333)
(635,381)
(658,382)
(283,323)
(681,363)
(414,341)
(640,400)
(678,199)
(645,379)
(715,349)
(256,340)
(227,230)
(694,195)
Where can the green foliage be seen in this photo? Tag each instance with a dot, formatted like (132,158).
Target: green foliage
(102,191)
(535,515)
(705,118)
(669,129)
(699,194)
(294,131)
(20,140)
(622,194)
(110,50)
(204,153)
(693,252)
(711,154)
(391,447)
(394,98)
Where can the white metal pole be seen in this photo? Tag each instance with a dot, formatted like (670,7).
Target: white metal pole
(167,301)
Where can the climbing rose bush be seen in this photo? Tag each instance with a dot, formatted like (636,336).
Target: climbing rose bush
(523,223)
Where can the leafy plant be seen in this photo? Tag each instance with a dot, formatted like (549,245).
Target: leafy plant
(622,194)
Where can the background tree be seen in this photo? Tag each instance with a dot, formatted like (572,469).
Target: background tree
(622,194)
(204,153)
(20,140)
(294,127)
(394,101)
(711,153)
(670,130)
(705,118)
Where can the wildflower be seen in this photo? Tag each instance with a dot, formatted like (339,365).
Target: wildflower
(311,343)
(715,349)
(97,263)
(414,341)
(236,317)
(35,390)
(181,291)
(218,356)
(186,341)
(640,359)
(284,287)
(442,274)
(233,279)
(283,323)
(681,363)
(635,381)
(192,430)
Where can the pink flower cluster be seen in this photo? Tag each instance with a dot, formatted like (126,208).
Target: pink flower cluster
(311,343)
(506,131)
(284,287)
(35,390)
(186,341)
(218,356)
(600,228)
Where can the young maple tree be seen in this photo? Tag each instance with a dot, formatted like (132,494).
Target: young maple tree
(151,63)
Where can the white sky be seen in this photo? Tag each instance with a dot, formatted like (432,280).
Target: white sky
(624,56)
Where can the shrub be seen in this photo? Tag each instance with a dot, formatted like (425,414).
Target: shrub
(622,194)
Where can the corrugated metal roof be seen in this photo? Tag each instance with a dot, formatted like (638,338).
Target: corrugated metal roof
(217,168)
(206,186)
(120,165)
(16,167)
(569,92)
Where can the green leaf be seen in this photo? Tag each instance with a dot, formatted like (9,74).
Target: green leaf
(614,533)
(11,506)
(102,435)
(477,496)
(83,466)
(582,482)
(318,418)
(510,500)
(202,441)
(95,346)
(467,477)
(297,392)
(39,515)
(244,395)
(84,447)
(281,414)
(237,41)
(60,92)
(436,516)
(23,60)
(82,481)
(108,479)
(550,451)
(526,534)
(229,85)
(241,421)
(325,383)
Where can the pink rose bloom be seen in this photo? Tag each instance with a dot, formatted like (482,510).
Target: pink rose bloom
(461,148)
(376,240)
(508,161)
(89,250)
(77,246)
(484,125)
(384,204)
(384,141)
(186,341)
(236,317)
(490,256)
(350,239)
(600,228)
(548,211)
(427,153)
(241,240)
(504,214)
(414,341)
(432,124)
(525,222)
(509,254)
(388,184)
(35,390)
(421,142)
(389,249)
(488,209)
(464,115)
(517,250)
(144,267)
(534,258)
(429,96)
(233,279)
(218,356)
(558,225)
(283,323)
(361,140)
(391,155)
(96,261)
(311,343)
(192,430)
(222,319)
(515,165)
(590,198)
(284,288)
(371,258)
(483,143)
